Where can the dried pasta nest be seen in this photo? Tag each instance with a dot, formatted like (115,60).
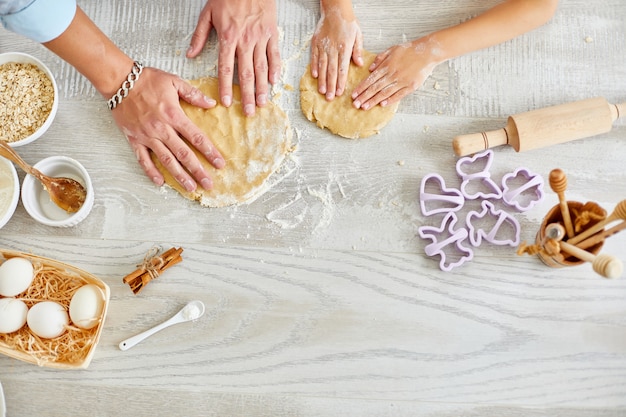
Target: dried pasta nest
(54,281)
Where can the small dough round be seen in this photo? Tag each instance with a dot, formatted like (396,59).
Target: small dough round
(338,115)
(252,146)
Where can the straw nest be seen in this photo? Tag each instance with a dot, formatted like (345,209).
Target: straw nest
(54,281)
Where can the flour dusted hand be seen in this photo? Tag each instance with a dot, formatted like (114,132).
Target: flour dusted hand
(403,68)
(337,40)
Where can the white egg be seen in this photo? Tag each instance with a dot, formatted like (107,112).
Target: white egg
(12,314)
(16,275)
(86,306)
(47,319)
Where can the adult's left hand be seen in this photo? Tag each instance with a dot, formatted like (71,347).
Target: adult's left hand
(247,30)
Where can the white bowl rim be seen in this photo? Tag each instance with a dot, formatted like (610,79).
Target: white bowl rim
(30,181)
(22,57)
(16,193)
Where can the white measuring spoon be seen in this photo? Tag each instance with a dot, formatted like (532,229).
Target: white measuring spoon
(192,311)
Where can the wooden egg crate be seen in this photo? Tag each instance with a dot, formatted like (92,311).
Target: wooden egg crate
(54,281)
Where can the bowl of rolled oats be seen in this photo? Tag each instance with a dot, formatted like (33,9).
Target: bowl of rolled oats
(28,98)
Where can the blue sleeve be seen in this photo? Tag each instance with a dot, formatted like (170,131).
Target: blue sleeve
(41,20)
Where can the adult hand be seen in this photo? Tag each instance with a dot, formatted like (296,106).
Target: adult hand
(336,40)
(152,119)
(395,73)
(246,30)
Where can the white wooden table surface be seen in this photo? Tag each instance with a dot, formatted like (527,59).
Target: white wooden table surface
(320,299)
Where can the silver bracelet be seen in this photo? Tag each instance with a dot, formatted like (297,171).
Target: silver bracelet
(127,85)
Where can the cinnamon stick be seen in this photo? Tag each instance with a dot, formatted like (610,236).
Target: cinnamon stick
(153,265)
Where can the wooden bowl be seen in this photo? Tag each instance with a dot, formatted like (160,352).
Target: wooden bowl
(554,216)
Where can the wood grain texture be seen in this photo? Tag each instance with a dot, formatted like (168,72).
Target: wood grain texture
(320,299)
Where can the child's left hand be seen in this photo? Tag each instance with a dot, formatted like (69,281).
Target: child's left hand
(336,40)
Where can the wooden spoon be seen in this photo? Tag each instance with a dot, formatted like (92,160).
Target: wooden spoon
(65,192)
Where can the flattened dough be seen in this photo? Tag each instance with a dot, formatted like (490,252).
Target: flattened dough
(253,148)
(339,116)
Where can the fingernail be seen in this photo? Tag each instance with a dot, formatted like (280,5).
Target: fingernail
(219,163)
(322,89)
(365,106)
(359,61)
(383,103)
(189,50)
(189,185)
(262,99)
(206,183)
(226,101)
(357,104)
(248,109)
(210,101)
(158,181)
(371,67)
(330,96)
(339,92)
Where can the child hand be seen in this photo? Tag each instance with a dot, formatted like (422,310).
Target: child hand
(395,73)
(337,39)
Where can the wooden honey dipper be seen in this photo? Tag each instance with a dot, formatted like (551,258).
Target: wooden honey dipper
(599,237)
(606,265)
(547,126)
(558,183)
(619,213)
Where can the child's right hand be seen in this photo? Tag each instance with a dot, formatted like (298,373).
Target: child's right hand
(336,40)
(395,73)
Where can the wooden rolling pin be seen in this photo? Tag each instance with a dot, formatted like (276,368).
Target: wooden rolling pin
(545,127)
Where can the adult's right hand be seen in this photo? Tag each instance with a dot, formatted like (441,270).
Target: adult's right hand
(152,119)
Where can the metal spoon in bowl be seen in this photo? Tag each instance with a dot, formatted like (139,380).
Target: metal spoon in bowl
(66,193)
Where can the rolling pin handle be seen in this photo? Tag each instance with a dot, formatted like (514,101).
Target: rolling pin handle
(618,110)
(477,142)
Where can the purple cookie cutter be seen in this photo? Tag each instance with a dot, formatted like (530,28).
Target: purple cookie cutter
(524,194)
(495,234)
(454,237)
(480,178)
(445,199)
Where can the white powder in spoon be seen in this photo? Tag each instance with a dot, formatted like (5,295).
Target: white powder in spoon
(191,312)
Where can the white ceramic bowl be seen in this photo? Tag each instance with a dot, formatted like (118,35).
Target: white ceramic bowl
(9,190)
(36,199)
(28,59)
